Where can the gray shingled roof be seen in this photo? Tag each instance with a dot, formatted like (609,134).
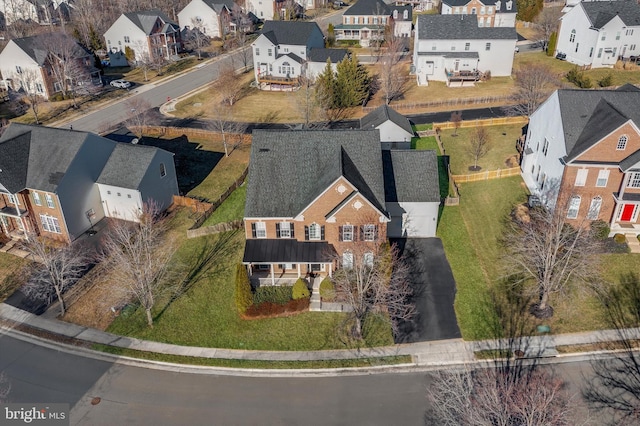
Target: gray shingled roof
(502,9)
(628,163)
(459,27)
(218,5)
(369,8)
(382,114)
(321,55)
(411,176)
(588,115)
(289,32)
(36,46)
(127,165)
(401,10)
(146,19)
(602,12)
(37,157)
(289,169)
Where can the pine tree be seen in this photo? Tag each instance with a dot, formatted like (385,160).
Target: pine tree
(325,87)
(352,83)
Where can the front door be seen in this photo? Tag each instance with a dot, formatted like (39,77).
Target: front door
(456,66)
(627,212)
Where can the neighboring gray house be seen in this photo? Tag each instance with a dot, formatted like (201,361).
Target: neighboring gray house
(318,57)
(412,193)
(395,129)
(453,49)
(50,180)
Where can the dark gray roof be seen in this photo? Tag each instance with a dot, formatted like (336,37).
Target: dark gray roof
(127,165)
(287,251)
(459,27)
(36,46)
(449,54)
(589,115)
(382,114)
(411,176)
(368,8)
(37,157)
(602,12)
(401,10)
(501,7)
(146,19)
(320,54)
(289,169)
(628,163)
(290,32)
(219,5)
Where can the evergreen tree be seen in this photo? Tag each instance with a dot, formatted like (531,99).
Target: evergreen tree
(351,84)
(325,87)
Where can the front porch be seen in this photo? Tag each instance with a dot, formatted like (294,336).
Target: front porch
(272,274)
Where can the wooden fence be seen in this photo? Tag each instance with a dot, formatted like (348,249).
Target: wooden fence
(501,121)
(198,206)
(215,229)
(489,174)
(451,103)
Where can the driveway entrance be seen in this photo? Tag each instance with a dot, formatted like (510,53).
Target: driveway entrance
(434,291)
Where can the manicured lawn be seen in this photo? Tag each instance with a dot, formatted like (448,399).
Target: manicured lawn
(205,315)
(502,148)
(231,209)
(428,142)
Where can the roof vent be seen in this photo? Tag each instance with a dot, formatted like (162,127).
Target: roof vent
(263,150)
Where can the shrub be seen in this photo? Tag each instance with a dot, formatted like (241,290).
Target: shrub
(244,298)
(327,289)
(300,290)
(600,229)
(620,239)
(274,294)
(606,81)
(578,78)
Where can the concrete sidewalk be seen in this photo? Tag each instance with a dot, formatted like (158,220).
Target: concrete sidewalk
(424,354)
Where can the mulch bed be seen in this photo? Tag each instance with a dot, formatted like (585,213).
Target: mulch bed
(276,310)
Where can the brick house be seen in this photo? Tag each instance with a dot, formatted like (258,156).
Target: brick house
(312,195)
(58,182)
(583,147)
(367,20)
(490,13)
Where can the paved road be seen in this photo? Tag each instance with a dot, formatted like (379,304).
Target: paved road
(157,95)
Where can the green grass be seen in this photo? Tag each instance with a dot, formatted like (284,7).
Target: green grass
(231,209)
(205,315)
(428,142)
(502,147)
(247,363)
(422,127)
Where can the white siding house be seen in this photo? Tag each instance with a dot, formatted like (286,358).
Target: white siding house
(453,49)
(211,16)
(395,129)
(597,33)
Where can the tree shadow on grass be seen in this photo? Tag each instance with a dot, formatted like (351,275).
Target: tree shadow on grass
(210,259)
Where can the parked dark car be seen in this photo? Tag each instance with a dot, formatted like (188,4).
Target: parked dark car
(561,56)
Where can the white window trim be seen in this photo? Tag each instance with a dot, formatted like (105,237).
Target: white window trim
(261,230)
(634,180)
(581,177)
(622,143)
(347,260)
(317,232)
(370,230)
(603,175)
(50,224)
(594,212)
(36,198)
(345,232)
(285,230)
(574,204)
(49,199)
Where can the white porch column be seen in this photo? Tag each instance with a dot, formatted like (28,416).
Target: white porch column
(330,270)
(298,270)
(250,269)
(273,274)
(24,228)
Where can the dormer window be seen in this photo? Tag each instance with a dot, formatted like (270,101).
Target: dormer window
(509,4)
(498,4)
(622,143)
(405,15)
(395,14)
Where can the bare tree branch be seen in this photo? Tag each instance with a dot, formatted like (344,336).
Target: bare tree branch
(139,116)
(479,145)
(223,122)
(534,83)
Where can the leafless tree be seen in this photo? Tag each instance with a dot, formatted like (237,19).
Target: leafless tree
(391,78)
(196,38)
(479,145)
(374,281)
(456,119)
(544,248)
(56,268)
(495,396)
(30,90)
(305,100)
(223,122)
(546,23)
(534,83)
(66,58)
(615,389)
(228,85)
(140,115)
(138,256)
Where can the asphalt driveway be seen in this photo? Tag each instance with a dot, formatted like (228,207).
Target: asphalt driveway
(434,291)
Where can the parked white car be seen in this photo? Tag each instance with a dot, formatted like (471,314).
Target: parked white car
(122,84)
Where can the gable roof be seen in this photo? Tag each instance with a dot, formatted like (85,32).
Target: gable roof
(383,114)
(460,27)
(127,165)
(289,169)
(368,8)
(500,5)
(219,5)
(589,115)
(36,157)
(600,13)
(36,46)
(411,176)
(146,19)
(320,54)
(289,32)
(401,10)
